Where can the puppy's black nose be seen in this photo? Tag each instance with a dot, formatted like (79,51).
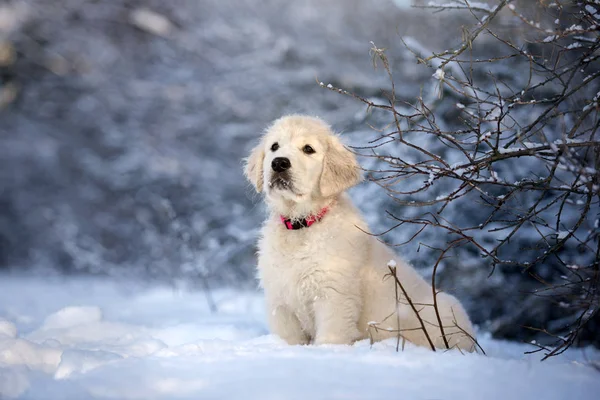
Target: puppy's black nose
(280,164)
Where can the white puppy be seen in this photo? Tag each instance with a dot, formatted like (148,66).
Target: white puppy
(325,279)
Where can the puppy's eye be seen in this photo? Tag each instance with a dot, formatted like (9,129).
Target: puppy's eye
(308,150)
(275,146)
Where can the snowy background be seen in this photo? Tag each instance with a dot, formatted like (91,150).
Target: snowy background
(122,128)
(121,150)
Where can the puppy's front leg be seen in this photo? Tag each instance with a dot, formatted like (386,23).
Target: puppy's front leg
(336,318)
(285,324)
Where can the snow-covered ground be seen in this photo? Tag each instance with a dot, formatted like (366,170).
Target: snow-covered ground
(87,338)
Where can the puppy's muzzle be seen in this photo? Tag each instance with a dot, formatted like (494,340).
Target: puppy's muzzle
(281,164)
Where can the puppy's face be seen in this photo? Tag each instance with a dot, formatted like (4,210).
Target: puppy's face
(299,159)
(293,162)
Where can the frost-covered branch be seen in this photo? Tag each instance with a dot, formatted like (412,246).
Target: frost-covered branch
(512,135)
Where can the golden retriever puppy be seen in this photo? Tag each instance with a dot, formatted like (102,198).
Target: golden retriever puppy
(325,279)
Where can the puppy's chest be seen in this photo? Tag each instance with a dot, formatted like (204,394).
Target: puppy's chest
(295,266)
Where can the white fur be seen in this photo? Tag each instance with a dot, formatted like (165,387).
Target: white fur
(330,283)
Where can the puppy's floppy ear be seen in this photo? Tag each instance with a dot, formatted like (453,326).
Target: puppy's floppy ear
(340,169)
(254,167)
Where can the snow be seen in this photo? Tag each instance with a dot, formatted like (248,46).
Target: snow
(7,329)
(82,338)
(430,179)
(403,3)
(463,4)
(11,16)
(590,9)
(151,21)
(568,141)
(575,27)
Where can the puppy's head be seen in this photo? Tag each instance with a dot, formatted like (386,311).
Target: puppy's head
(299,159)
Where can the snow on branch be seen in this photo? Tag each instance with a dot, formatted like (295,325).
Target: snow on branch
(512,136)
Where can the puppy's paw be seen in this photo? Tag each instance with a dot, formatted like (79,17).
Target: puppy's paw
(296,340)
(348,337)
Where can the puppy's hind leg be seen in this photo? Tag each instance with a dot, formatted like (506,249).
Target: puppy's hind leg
(458,329)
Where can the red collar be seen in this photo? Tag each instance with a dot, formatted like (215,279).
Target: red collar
(304,223)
